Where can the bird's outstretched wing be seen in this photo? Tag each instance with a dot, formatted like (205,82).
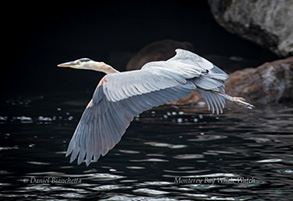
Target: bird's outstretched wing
(116,101)
(187,57)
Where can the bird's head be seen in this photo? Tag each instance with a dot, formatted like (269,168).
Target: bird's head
(83,63)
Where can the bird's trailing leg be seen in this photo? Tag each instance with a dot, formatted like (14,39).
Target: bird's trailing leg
(238,100)
(241,101)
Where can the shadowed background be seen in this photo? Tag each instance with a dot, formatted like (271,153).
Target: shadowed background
(38,36)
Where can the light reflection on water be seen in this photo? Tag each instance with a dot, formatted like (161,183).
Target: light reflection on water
(168,153)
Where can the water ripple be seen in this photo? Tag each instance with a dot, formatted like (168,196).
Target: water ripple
(150,191)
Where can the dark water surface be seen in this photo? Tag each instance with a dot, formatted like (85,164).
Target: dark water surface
(168,153)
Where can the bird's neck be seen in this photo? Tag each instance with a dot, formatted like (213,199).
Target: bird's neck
(102,67)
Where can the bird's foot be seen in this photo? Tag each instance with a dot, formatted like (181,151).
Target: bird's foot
(241,101)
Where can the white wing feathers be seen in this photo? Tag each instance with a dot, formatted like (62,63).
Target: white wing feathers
(215,102)
(120,86)
(190,58)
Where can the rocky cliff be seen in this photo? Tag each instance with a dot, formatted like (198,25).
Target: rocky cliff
(268,23)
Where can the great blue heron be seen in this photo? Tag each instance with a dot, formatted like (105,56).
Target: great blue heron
(120,96)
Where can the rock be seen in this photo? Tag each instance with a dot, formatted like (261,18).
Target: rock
(157,51)
(269,83)
(267,23)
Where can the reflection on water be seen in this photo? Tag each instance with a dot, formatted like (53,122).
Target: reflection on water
(168,153)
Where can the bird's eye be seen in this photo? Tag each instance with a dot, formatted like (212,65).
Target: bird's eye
(78,62)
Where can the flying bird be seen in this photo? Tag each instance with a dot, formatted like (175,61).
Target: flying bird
(120,96)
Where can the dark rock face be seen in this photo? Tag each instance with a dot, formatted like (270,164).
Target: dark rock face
(267,23)
(157,51)
(269,83)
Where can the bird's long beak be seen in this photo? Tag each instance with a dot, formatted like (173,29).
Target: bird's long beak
(67,64)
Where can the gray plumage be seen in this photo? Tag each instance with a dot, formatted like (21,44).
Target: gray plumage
(119,97)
